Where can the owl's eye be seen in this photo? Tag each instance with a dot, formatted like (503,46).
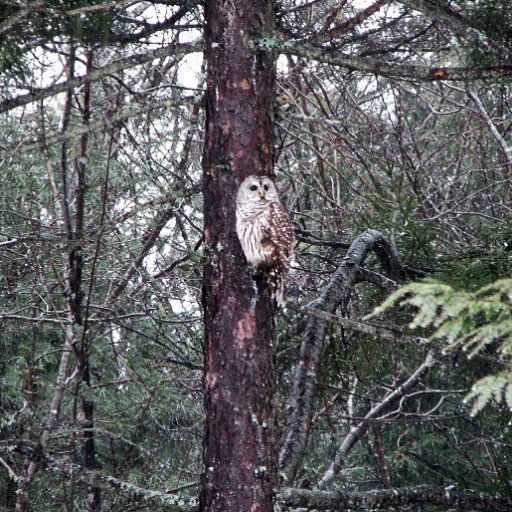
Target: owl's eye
(265,187)
(253,187)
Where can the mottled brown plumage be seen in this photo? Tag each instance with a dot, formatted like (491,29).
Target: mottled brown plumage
(265,232)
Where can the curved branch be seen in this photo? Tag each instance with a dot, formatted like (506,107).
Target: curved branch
(335,294)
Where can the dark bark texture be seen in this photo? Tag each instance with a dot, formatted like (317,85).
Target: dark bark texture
(239,448)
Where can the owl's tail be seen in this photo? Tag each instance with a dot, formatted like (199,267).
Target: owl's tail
(276,281)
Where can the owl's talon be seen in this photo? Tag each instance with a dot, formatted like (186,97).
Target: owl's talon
(257,275)
(250,271)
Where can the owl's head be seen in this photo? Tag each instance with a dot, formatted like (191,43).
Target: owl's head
(257,189)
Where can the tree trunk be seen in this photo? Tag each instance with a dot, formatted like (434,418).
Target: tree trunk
(239,446)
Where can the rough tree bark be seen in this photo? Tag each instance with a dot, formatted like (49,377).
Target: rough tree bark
(239,448)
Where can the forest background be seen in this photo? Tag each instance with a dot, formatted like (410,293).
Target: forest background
(391,146)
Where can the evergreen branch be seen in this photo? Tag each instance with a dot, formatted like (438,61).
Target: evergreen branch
(336,293)
(449,14)
(20,15)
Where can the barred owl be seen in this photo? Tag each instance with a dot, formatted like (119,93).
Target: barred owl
(265,232)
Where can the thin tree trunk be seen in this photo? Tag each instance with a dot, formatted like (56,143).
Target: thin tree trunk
(58,395)
(382,462)
(239,449)
(76,328)
(74,269)
(77,295)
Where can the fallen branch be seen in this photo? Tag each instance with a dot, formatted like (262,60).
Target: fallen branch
(339,501)
(174,502)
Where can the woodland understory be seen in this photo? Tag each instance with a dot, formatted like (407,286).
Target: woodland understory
(125,130)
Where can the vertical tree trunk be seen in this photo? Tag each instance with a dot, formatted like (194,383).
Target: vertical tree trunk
(77,295)
(239,450)
(88,445)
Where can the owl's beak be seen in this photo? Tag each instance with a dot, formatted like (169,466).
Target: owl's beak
(262,194)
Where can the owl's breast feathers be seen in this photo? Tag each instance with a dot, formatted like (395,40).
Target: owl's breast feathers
(254,236)
(266,237)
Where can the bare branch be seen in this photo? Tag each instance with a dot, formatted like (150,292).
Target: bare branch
(381,68)
(356,432)
(507,150)
(149,240)
(386,332)
(360,17)
(104,122)
(134,60)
